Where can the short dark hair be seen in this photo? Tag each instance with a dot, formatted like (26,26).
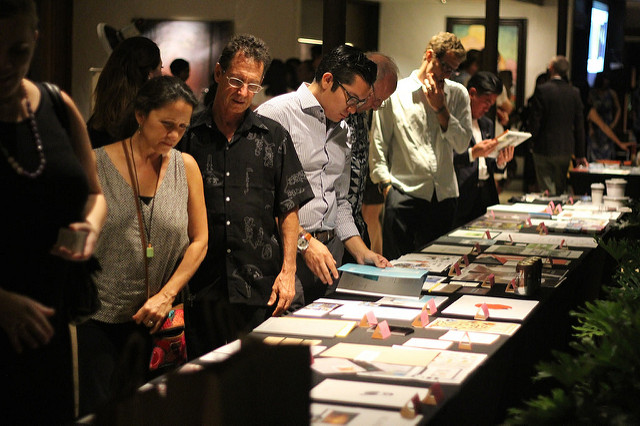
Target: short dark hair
(12,8)
(154,94)
(473,56)
(344,63)
(251,46)
(485,82)
(178,65)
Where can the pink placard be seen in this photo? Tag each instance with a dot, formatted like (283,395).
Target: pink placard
(432,306)
(552,205)
(424,317)
(382,330)
(545,231)
(466,259)
(571,200)
(478,249)
(485,309)
(488,234)
(415,400)
(492,279)
(548,210)
(436,391)
(559,208)
(529,221)
(493,215)
(456,267)
(371,318)
(561,243)
(510,239)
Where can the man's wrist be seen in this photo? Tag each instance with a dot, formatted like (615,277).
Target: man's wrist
(382,186)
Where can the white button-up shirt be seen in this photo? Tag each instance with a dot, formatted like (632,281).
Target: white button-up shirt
(410,149)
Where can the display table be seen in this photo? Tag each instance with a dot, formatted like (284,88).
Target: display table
(482,395)
(581,179)
(503,380)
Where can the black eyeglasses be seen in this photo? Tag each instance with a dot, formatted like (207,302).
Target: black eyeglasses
(236,83)
(352,100)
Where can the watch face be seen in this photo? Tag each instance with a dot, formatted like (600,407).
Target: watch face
(302,243)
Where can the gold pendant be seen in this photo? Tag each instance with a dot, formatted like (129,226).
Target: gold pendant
(150,251)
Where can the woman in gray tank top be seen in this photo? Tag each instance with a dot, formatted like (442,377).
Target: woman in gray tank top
(142,172)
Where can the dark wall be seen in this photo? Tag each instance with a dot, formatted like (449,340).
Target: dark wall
(52,57)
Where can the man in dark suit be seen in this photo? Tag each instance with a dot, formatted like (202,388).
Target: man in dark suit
(557,125)
(475,167)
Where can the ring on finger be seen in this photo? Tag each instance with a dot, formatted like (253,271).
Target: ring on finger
(150,323)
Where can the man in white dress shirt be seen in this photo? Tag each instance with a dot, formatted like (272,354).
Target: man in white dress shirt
(314,116)
(415,133)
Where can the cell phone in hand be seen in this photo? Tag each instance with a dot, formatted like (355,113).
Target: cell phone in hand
(73,241)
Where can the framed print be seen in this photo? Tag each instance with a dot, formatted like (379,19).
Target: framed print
(512,49)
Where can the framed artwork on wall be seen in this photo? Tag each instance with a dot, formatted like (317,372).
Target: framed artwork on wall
(512,49)
(198,42)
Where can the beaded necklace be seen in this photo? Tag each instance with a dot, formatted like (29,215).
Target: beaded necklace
(36,135)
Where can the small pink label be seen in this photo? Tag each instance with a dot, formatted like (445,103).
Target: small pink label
(432,306)
(510,239)
(559,208)
(485,310)
(571,200)
(436,391)
(493,215)
(424,317)
(488,234)
(478,249)
(371,318)
(456,267)
(466,259)
(561,243)
(492,279)
(383,329)
(529,221)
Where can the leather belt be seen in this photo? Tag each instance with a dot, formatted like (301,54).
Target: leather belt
(323,236)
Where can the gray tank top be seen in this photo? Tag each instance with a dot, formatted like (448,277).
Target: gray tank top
(121,284)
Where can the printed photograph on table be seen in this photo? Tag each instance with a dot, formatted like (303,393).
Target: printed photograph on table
(434,263)
(499,307)
(478,272)
(327,414)
(505,328)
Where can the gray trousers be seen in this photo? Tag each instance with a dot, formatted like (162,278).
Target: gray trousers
(551,172)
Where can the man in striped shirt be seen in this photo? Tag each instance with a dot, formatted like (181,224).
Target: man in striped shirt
(314,116)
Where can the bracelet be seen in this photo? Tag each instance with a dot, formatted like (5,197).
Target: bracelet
(441,109)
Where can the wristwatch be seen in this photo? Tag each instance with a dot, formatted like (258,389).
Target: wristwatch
(303,241)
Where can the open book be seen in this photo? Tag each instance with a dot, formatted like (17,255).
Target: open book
(509,137)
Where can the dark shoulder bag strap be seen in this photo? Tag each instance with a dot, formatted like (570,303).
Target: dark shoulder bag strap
(58,105)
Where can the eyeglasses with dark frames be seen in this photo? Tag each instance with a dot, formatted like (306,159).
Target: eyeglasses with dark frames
(236,83)
(352,100)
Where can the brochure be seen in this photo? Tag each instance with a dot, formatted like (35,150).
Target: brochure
(509,138)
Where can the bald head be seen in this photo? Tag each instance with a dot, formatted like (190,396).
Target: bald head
(386,80)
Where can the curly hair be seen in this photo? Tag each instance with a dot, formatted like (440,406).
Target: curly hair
(251,46)
(444,42)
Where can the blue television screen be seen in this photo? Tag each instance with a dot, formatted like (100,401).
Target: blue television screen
(597,39)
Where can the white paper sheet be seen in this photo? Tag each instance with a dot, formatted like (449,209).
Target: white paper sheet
(499,307)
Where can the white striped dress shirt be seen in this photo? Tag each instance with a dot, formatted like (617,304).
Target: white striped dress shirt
(323,149)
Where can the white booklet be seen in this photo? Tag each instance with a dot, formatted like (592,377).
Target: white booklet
(509,138)
(365,393)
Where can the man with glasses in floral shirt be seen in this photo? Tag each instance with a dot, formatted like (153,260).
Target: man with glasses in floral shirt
(253,184)
(314,116)
(413,139)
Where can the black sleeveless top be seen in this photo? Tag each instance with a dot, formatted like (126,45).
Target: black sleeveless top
(35,209)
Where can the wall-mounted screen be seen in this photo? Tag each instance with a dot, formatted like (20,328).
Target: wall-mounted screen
(597,40)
